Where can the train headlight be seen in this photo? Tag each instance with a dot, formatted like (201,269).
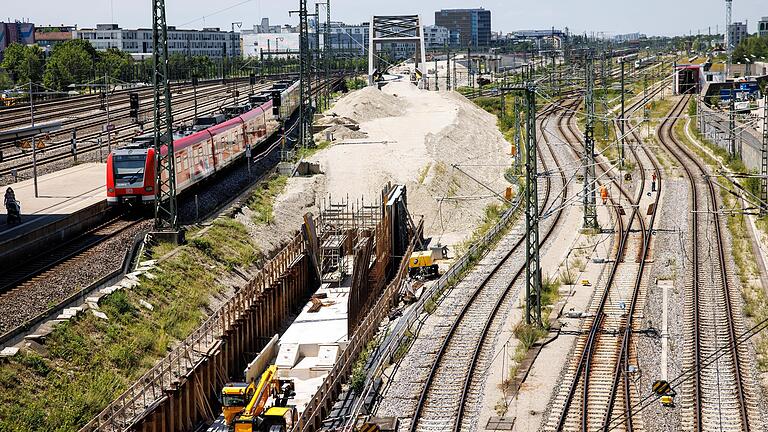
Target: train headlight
(149,188)
(111,190)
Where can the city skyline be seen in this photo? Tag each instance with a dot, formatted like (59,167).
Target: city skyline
(578,17)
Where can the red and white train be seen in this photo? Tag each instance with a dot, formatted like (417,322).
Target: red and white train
(212,144)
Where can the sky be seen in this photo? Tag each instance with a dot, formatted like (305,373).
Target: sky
(610,17)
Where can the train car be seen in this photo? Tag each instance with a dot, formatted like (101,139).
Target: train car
(199,154)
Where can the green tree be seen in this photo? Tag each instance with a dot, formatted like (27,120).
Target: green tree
(71,62)
(752,48)
(115,63)
(23,63)
(5,80)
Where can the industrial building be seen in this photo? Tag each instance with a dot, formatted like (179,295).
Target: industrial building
(211,42)
(472,25)
(21,32)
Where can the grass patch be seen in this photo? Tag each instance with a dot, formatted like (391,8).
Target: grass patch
(91,361)
(262,200)
(306,152)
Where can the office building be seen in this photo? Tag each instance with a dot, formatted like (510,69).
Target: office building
(473,26)
(210,42)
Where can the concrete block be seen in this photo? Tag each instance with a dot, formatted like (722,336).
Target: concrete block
(150,276)
(109,290)
(146,305)
(9,352)
(128,283)
(134,276)
(100,314)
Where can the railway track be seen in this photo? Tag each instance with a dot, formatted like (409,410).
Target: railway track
(721,395)
(598,382)
(450,398)
(24,285)
(59,150)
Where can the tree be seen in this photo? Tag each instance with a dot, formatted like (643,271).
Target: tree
(115,63)
(752,48)
(71,62)
(5,80)
(23,63)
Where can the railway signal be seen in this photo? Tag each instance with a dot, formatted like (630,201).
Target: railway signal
(134,106)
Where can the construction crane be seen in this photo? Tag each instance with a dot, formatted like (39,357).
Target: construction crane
(252,407)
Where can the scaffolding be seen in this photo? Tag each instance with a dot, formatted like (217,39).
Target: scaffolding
(339,224)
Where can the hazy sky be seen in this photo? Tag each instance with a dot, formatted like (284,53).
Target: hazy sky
(654,17)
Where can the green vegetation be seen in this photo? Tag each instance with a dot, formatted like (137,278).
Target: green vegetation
(357,379)
(751,48)
(305,152)
(90,361)
(356,83)
(22,63)
(263,198)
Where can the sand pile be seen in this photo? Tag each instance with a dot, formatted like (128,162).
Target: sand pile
(369,104)
(340,132)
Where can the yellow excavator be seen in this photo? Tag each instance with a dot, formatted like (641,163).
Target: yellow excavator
(267,408)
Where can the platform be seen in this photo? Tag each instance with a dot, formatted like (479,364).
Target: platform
(69,201)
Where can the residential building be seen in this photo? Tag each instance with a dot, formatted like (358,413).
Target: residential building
(473,26)
(20,32)
(762,27)
(436,37)
(350,39)
(737,32)
(210,42)
(47,37)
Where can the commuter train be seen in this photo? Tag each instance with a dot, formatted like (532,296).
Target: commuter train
(211,144)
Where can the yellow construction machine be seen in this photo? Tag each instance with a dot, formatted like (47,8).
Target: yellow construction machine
(262,406)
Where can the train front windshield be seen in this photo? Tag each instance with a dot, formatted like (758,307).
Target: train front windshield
(129,168)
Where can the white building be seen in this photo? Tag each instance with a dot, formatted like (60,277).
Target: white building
(256,43)
(211,42)
(436,37)
(762,27)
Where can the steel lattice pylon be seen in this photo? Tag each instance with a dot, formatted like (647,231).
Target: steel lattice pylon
(327,53)
(306,110)
(532,258)
(166,216)
(764,164)
(590,210)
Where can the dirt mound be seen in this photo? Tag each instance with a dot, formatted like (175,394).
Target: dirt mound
(368,104)
(340,132)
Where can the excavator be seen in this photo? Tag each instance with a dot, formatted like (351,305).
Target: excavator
(267,408)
